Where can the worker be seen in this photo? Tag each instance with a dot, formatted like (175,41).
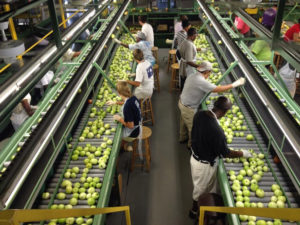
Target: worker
(188,51)
(208,145)
(21,112)
(41,86)
(293,34)
(269,17)
(147,29)
(288,76)
(141,44)
(144,81)
(131,118)
(261,50)
(181,35)
(241,26)
(178,25)
(195,88)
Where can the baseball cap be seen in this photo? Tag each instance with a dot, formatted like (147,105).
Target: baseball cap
(141,35)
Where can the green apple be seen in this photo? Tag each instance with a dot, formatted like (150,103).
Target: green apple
(61,196)
(275,187)
(79,220)
(260,193)
(249,137)
(278,192)
(239,204)
(280,204)
(253,204)
(260,205)
(272,205)
(246,182)
(70,220)
(46,195)
(243,218)
(261,222)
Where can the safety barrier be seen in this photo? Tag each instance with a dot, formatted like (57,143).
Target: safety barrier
(17,216)
(290,214)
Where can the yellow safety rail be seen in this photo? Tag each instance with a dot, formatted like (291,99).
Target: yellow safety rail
(290,214)
(17,216)
(36,43)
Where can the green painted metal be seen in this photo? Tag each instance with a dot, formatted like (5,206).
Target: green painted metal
(203,25)
(291,11)
(277,25)
(104,75)
(126,29)
(25,130)
(54,22)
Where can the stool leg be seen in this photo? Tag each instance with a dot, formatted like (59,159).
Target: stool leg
(147,155)
(141,104)
(151,111)
(174,59)
(133,155)
(169,62)
(157,78)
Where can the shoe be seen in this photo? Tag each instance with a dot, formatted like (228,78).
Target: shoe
(192,214)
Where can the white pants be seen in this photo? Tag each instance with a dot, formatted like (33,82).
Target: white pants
(141,93)
(204,178)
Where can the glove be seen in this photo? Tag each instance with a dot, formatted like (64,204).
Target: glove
(117,117)
(239,82)
(246,154)
(34,107)
(117,41)
(110,102)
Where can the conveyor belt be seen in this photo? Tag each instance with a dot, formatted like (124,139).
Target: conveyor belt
(258,146)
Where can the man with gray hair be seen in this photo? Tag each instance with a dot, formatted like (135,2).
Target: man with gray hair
(142,44)
(195,88)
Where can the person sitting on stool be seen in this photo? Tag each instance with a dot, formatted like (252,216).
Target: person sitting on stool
(195,88)
(208,144)
(144,81)
(131,118)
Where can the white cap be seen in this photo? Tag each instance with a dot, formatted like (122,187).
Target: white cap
(205,66)
(141,35)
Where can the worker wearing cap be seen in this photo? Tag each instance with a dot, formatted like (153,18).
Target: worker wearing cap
(209,144)
(142,44)
(195,88)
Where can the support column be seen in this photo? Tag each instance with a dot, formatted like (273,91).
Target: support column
(54,23)
(278,21)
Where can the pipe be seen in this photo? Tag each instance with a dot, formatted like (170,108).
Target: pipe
(21,9)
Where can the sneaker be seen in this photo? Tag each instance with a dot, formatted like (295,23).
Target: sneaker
(192,214)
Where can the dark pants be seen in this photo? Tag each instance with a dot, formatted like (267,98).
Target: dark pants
(182,81)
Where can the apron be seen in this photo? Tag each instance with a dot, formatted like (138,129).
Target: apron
(189,69)
(127,131)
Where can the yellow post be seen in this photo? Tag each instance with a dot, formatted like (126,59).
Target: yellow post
(62,13)
(11,24)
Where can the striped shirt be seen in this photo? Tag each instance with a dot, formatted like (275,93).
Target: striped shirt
(179,38)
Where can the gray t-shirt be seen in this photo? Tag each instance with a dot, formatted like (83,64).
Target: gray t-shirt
(188,53)
(195,88)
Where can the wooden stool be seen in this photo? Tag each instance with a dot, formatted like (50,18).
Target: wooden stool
(156,77)
(277,61)
(172,58)
(146,110)
(146,134)
(155,53)
(175,77)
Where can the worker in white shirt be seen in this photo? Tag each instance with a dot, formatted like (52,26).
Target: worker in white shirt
(21,112)
(147,29)
(141,44)
(178,25)
(144,81)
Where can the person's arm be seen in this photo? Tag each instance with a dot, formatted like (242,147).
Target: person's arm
(222,88)
(124,45)
(126,124)
(191,63)
(235,154)
(134,83)
(27,107)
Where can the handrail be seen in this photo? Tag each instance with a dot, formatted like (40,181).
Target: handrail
(36,43)
(17,216)
(291,214)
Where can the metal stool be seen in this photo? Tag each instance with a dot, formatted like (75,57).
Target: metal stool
(156,77)
(147,132)
(172,58)
(146,110)
(174,84)
(155,53)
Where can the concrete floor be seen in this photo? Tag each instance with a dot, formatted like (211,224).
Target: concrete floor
(162,196)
